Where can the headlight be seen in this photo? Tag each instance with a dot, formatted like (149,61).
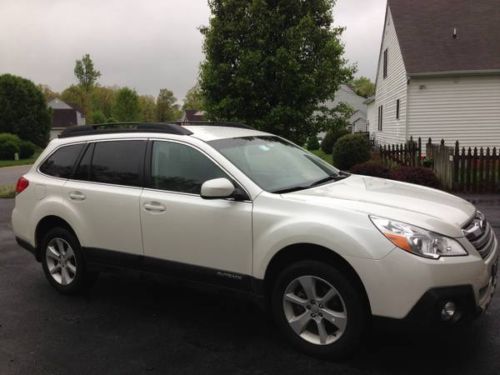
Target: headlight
(417,240)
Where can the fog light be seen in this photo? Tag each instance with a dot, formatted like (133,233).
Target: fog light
(448,311)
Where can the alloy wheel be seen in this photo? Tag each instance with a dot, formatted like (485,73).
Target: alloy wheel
(61,261)
(315,310)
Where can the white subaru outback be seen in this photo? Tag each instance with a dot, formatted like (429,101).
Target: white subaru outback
(234,207)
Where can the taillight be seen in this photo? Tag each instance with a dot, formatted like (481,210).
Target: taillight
(21,185)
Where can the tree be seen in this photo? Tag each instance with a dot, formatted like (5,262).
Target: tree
(332,119)
(147,107)
(47,92)
(86,74)
(23,110)
(126,106)
(194,99)
(363,86)
(96,117)
(76,97)
(102,99)
(270,63)
(166,109)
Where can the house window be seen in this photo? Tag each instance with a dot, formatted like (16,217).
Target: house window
(397,109)
(380,117)
(385,63)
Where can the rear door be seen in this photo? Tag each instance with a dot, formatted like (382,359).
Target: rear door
(105,193)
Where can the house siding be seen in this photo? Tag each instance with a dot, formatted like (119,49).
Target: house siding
(466,109)
(390,89)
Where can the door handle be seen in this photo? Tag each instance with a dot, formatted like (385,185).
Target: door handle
(154,207)
(77,196)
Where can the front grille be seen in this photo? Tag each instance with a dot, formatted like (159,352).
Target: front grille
(480,234)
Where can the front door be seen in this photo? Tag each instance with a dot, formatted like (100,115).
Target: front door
(188,235)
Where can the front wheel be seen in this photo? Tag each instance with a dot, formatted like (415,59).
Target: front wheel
(63,261)
(318,309)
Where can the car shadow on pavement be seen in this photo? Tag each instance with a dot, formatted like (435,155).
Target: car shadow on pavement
(166,326)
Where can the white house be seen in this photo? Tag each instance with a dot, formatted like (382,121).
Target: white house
(358,121)
(63,115)
(439,73)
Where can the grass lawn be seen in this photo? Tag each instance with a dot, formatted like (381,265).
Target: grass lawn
(11,163)
(7,191)
(322,155)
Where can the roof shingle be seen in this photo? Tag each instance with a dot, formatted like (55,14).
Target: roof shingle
(425,34)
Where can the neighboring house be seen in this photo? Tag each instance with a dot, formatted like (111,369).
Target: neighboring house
(439,73)
(371,114)
(193,115)
(63,116)
(358,121)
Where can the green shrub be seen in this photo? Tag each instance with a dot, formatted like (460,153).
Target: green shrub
(313,143)
(416,175)
(4,137)
(331,138)
(26,149)
(8,149)
(371,168)
(350,150)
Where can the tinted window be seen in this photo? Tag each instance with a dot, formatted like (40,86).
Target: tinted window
(83,170)
(61,162)
(176,167)
(118,162)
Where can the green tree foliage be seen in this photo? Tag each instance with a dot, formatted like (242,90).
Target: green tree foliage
(363,86)
(76,97)
(26,149)
(350,150)
(126,106)
(166,109)
(313,143)
(333,119)
(147,105)
(270,63)
(23,110)
(194,99)
(96,117)
(86,73)
(102,99)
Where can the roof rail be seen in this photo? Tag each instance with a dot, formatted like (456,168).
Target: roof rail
(124,127)
(216,123)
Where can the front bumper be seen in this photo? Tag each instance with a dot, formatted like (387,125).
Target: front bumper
(404,286)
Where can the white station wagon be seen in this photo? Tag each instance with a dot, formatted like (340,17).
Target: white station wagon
(230,206)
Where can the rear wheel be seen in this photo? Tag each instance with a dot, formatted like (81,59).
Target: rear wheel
(63,261)
(318,309)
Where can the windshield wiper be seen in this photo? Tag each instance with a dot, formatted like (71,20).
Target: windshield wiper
(334,177)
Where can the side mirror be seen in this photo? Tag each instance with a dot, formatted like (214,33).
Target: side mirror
(217,188)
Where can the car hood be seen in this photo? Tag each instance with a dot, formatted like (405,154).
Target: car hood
(428,208)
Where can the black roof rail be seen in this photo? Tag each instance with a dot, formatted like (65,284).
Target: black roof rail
(215,123)
(124,127)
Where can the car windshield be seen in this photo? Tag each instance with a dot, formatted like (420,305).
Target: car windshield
(275,164)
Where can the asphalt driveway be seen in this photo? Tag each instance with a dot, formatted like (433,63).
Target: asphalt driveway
(135,324)
(10,175)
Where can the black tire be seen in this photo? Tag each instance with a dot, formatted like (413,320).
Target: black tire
(355,307)
(81,279)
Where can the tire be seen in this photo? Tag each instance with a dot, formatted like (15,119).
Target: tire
(329,326)
(63,262)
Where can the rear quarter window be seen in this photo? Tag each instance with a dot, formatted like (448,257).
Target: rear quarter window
(61,162)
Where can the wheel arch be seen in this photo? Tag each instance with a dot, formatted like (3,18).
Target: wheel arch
(306,251)
(44,225)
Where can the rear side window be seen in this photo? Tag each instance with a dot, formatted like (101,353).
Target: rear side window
(60,163)
(118,162)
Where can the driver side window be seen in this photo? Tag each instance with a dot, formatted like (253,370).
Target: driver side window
(181,168)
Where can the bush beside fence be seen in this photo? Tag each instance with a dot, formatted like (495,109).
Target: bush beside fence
(471,170)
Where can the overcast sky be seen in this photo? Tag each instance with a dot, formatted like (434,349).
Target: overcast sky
(144,44)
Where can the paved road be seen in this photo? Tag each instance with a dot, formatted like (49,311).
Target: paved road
(10,175)
(131,324)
